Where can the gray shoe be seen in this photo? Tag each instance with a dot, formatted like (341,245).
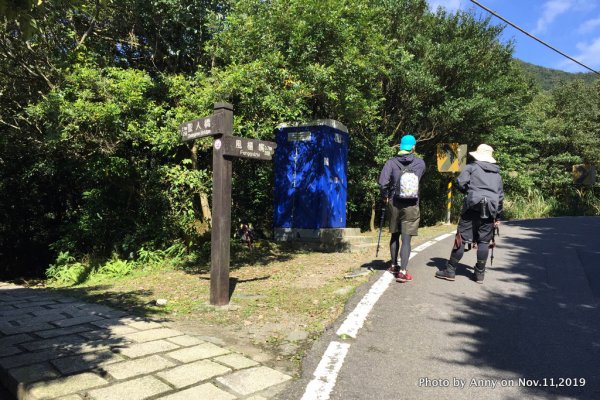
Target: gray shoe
(448,273)
(479,272)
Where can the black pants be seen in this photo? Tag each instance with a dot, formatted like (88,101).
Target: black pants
(474,230)
(404,249)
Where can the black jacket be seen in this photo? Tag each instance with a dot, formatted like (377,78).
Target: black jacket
(390,172)
(481,179)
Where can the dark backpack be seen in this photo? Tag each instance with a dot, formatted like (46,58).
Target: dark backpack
(407,184)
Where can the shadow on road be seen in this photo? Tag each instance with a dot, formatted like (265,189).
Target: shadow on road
(45,336)
(376,265)
(538,318)
(440,264)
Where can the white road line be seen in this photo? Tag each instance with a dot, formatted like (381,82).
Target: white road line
(326,373)
(423,246)
(354,321)
(444,236)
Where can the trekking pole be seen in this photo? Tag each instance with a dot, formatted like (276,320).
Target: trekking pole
(495,231)
(380,227)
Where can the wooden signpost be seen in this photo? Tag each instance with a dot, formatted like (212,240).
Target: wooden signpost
(220,126)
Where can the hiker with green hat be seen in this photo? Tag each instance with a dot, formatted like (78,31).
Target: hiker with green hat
(399,184)
(482,185)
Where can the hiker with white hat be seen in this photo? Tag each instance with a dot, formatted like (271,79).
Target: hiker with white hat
(481,183)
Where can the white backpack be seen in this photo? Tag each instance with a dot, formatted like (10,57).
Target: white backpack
(407,185)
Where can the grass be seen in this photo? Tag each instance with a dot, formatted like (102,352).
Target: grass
(274,291)
(581,201)
(534,205)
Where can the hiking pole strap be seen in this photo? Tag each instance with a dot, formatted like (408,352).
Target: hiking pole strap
(457,240)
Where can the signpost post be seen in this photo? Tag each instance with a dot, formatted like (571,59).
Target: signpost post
(225,146)
(451,157)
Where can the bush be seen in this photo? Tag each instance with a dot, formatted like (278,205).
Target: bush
(115,268)
(151,258)
(534,205)
(66,271)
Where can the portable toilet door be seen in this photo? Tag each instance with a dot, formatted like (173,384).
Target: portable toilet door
(335,185)
(296,179)
(306,171)
(310,175)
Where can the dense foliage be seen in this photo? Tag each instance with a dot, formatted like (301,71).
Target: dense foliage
(92,169)
(549,79)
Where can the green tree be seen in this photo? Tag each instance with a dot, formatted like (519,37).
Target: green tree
(384,70)
(93,93)
(83,144)
(560,128)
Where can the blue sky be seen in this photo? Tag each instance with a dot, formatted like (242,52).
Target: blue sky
(571,26)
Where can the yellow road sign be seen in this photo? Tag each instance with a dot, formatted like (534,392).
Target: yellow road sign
(451,157)
(584,174)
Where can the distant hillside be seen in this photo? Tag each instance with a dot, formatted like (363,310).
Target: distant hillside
(549,78)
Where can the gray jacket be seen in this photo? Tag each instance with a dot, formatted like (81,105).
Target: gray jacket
(481,179)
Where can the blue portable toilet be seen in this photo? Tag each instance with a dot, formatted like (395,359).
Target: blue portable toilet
(311,169)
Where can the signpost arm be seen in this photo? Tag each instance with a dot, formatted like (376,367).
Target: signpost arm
(221,210)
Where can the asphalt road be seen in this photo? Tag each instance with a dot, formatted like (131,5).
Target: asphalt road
(531,331)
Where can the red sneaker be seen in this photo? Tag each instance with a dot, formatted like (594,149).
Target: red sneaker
(394,270)
(406,277)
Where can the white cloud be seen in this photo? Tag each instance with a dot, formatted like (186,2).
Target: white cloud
(589,25)
(449,5)
(552,9)
(585,5)
(589,54)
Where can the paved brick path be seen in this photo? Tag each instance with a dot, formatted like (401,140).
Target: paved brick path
(57,347)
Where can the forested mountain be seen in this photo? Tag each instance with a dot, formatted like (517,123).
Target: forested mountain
(549,79)
(92,93)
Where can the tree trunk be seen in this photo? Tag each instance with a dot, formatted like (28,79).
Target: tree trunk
(206,215)
(372,221)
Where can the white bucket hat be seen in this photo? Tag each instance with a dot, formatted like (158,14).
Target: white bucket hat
(484,153)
